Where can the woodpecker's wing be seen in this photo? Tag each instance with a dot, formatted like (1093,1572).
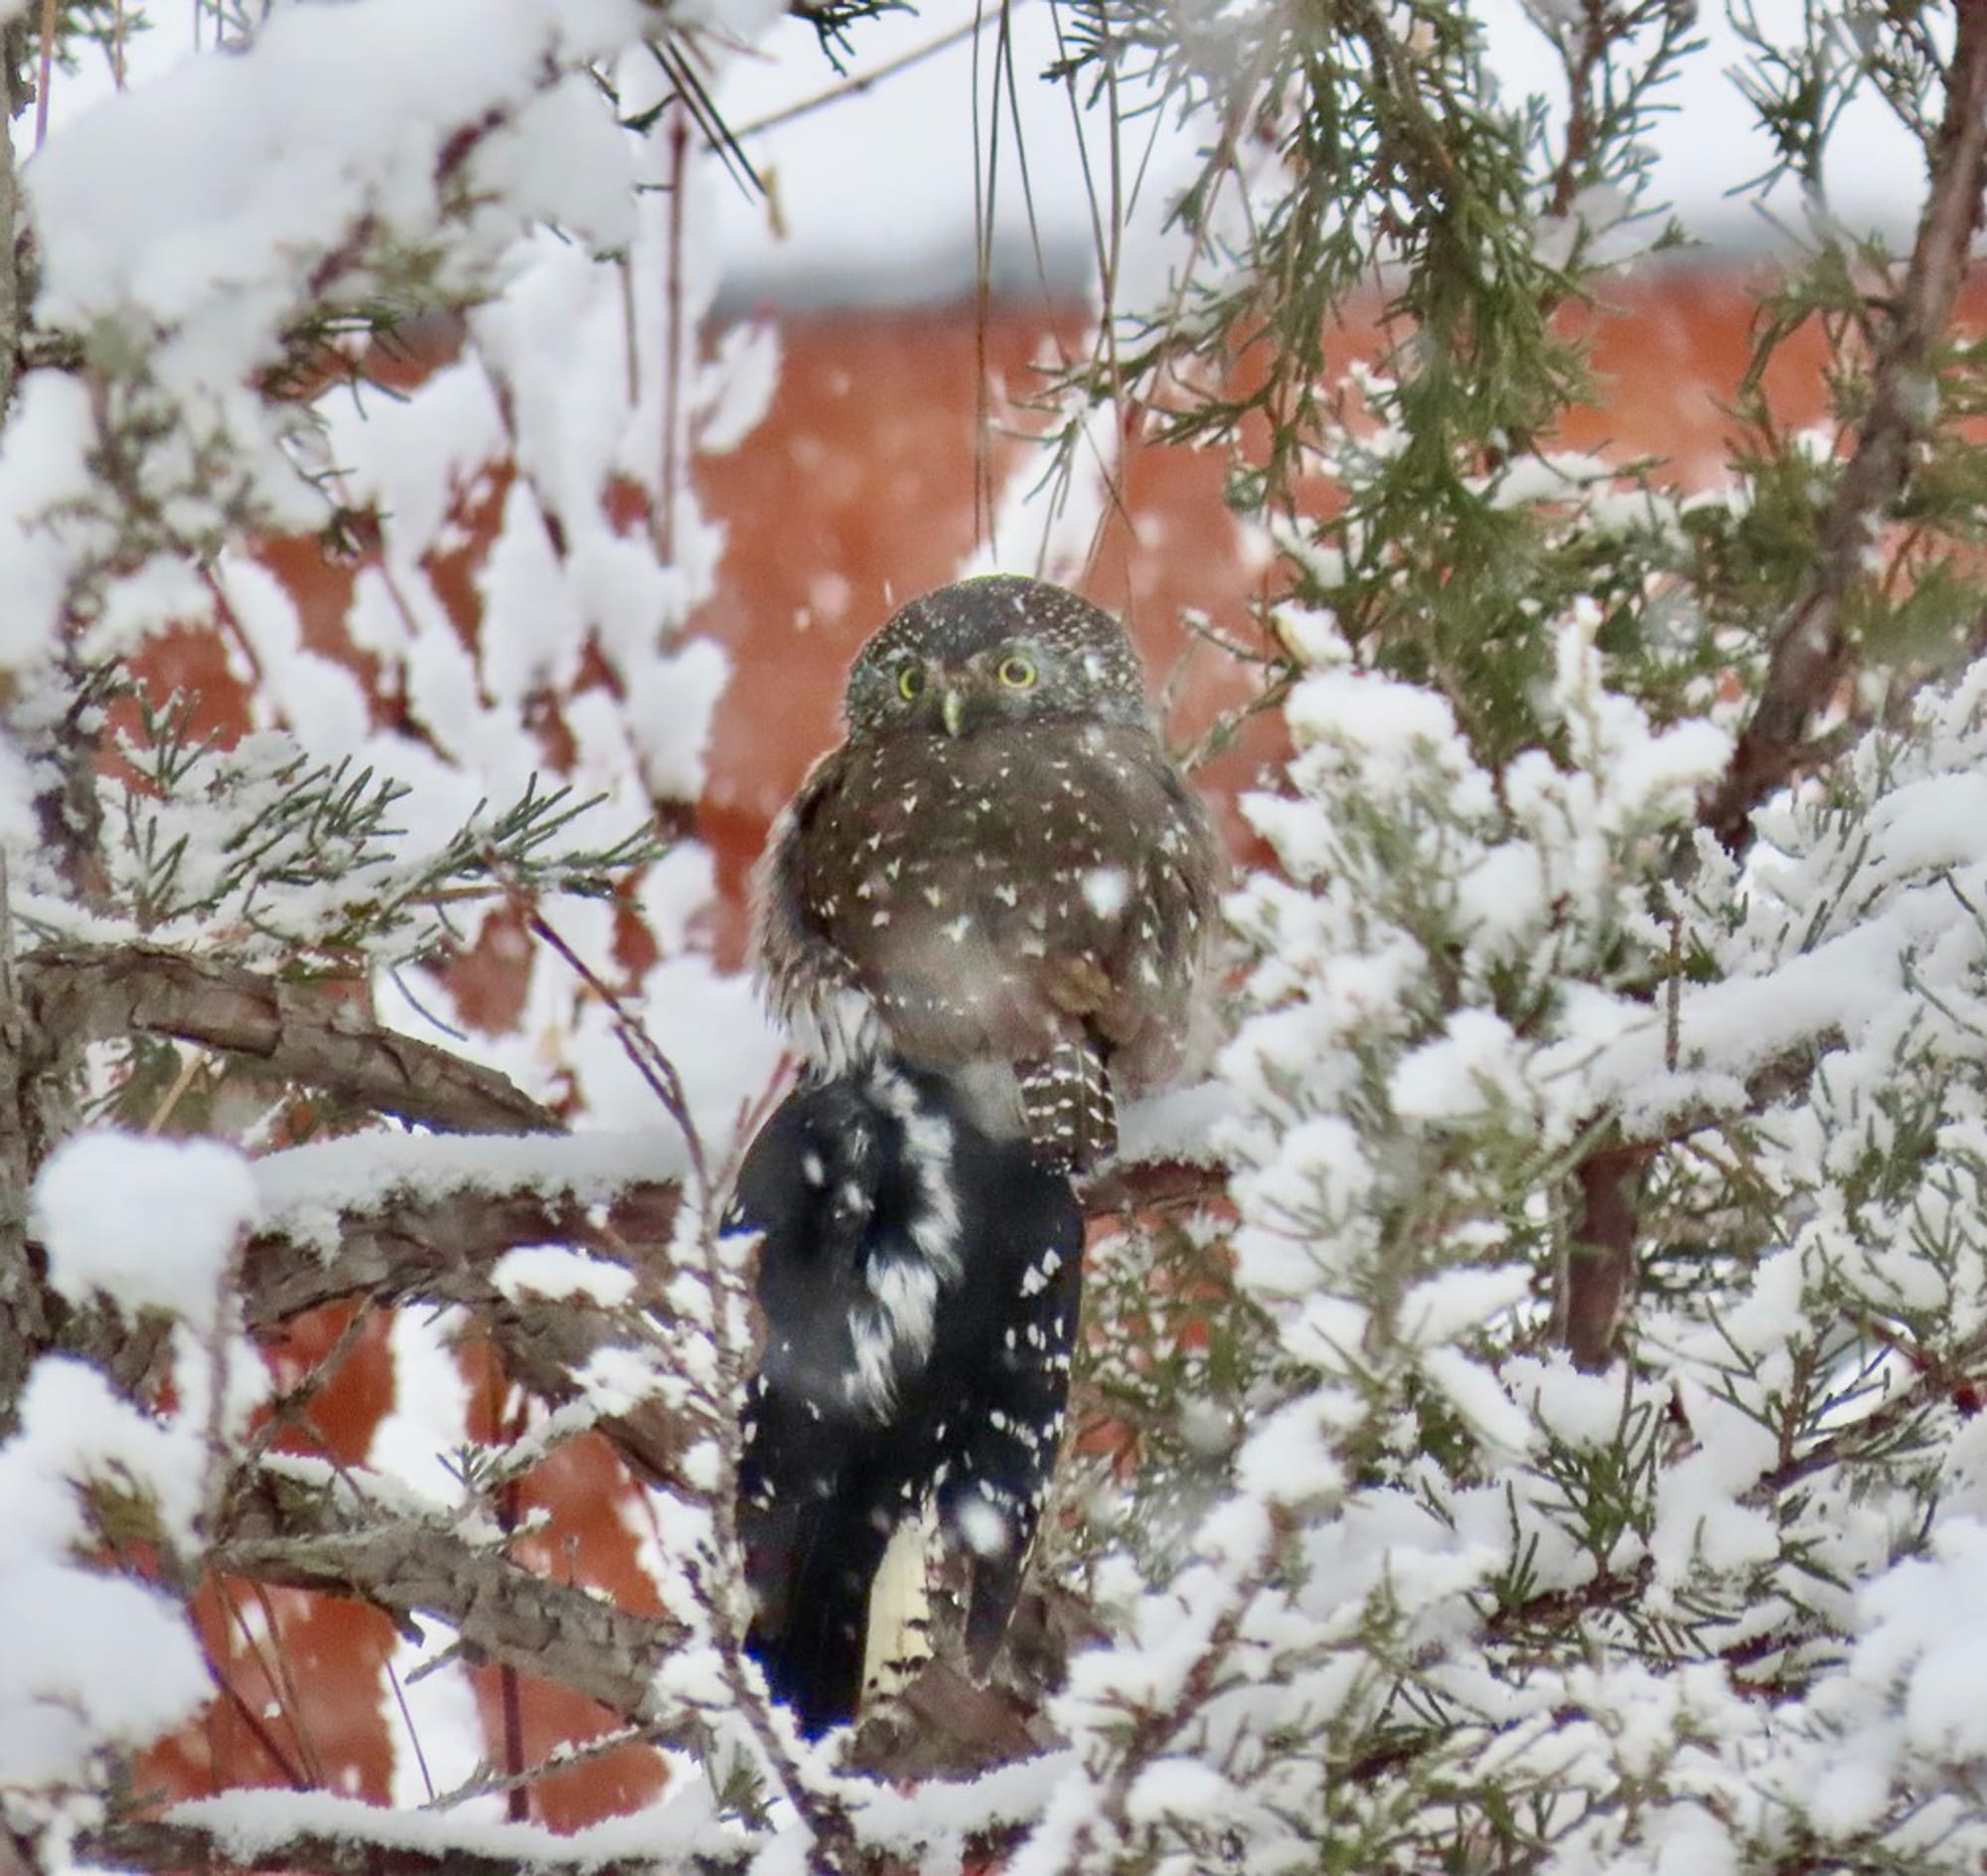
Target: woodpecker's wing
(1003,1461)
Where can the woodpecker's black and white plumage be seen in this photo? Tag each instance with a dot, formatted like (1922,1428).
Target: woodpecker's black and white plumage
(920,1283)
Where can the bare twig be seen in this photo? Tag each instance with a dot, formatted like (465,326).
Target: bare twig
(562,1760)
(297,1030)
(857,82)
(674,363)
(45,85)
(644,1056)
(717,1581)
(298,1538)
(1811,653)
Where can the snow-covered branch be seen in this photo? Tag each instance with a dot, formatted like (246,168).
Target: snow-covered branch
(280,1830)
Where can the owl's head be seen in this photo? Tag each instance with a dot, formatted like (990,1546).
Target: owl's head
(999,649)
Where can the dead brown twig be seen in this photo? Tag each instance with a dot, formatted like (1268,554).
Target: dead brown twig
(303,1032)
(1810,651)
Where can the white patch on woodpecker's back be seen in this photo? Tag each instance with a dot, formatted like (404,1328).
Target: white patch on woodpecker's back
(928,1146)
(890,1335)
(906,1293)
(892,1329)
(1036,1278)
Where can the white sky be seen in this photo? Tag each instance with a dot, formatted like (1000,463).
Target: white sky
(877,193)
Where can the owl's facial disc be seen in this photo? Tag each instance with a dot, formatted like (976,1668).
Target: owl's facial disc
(1014,649)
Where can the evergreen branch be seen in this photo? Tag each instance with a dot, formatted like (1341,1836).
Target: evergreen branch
(1811,649)
(247,840)
(1933,1381)
(303,1033)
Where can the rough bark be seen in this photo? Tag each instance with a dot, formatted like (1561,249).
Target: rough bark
(23,1304)
(302,1032)
(1597,1272)
(300,1538)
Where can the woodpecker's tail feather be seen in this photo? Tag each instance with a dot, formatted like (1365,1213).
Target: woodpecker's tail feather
(807,1637)
(898,1641)
(919,1282)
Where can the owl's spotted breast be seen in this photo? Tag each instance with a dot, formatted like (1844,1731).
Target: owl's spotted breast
(996,903)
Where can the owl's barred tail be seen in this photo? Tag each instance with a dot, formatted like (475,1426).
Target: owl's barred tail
(1068,1107)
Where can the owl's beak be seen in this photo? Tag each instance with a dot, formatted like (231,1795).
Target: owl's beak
(952,711)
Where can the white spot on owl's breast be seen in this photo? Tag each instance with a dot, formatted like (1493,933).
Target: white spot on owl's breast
(1106,888)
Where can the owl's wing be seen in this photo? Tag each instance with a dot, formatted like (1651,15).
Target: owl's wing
(807,981)
(1008,898)
(1140,932)
(1125,991)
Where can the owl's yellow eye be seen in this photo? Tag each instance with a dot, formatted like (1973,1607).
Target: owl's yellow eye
(910,681)
(1017,673)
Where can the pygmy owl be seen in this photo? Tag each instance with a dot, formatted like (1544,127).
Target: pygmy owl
(1000,875)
